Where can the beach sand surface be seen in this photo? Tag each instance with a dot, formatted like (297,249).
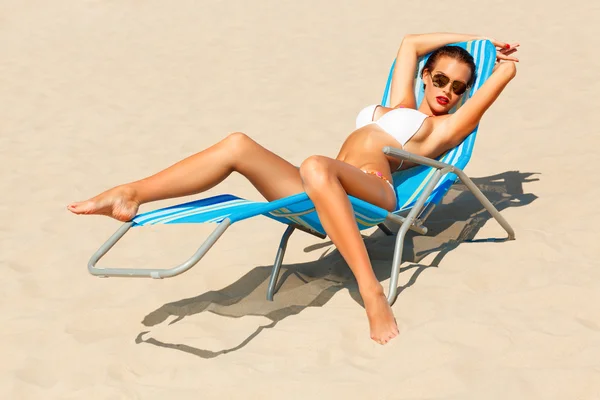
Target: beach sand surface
(97,93)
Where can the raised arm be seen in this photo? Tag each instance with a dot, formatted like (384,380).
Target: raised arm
(411,48)
(456,127)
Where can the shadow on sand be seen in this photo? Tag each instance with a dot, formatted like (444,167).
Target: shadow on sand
(455,221)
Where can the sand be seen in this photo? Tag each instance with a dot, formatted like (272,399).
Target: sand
(97,93)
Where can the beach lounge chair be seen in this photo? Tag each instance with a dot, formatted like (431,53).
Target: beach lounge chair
(419,189)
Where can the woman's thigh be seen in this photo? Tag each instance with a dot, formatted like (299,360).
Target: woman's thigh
(355,182)
(271,175)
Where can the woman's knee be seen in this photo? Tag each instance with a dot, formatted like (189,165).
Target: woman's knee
(316,171)
(238,142)
(238,139)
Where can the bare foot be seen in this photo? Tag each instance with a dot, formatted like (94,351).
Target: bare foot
(118,203)
(381,318)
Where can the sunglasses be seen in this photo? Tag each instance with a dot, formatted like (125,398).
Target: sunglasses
(440,80)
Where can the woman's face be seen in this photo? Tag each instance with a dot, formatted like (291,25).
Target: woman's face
(454,74)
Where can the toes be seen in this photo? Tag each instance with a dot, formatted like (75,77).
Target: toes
(376,339)
(382,340)
(75,207)
(84,207)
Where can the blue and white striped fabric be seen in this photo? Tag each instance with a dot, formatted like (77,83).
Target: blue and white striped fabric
(299,209)
(410,183)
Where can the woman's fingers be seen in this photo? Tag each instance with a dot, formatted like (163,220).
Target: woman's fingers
(508,52)
(505,50)
(510,49)
(504,45)
(506,57)
(498,43)
(505,53)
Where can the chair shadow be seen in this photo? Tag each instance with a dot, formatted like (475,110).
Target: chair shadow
(456,220)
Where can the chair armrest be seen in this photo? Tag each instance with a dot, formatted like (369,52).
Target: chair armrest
(406,156)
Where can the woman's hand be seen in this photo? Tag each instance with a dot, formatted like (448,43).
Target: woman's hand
(504,50)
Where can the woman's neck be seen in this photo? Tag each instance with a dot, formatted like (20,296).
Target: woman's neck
(425,109)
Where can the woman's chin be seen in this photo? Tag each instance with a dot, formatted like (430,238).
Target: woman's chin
(438,109)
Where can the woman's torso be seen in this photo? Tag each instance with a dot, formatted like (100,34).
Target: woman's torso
(363,147)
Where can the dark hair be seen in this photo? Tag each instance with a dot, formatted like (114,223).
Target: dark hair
(455,52)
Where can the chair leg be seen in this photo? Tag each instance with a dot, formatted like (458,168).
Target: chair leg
(442,168)
(410,218)
(385,229)
(152,272)
(486,203)
(278,261)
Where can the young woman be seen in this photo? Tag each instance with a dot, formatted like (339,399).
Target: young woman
(361,169)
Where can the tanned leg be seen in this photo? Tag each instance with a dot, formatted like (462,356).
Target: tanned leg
(328,183)
(270,174)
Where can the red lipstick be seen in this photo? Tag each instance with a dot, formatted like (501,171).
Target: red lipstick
(442,100)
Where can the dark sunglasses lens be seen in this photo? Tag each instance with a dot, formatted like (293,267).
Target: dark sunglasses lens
(459,88)
(440,80)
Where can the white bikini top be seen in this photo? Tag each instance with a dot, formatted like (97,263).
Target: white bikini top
(401,123)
